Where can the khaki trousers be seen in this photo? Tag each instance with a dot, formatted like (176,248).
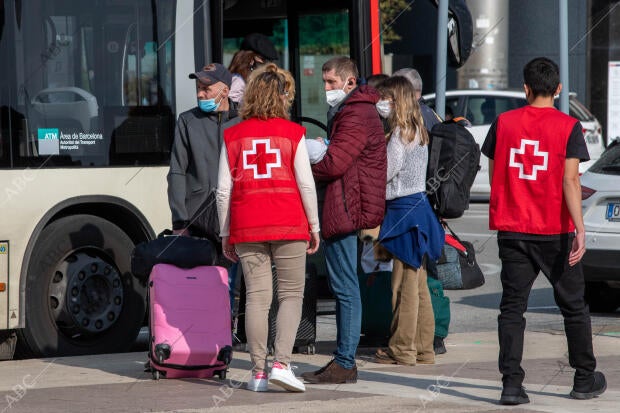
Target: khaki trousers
(290,261)
(413,321)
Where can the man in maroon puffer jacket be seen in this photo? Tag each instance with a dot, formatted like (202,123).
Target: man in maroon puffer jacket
(354,171)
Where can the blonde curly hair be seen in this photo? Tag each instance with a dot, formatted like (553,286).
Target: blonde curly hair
(269,93)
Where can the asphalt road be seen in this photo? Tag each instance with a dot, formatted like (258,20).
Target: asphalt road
(477,310)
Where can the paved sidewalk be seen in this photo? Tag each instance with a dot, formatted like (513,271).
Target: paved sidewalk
(465,379)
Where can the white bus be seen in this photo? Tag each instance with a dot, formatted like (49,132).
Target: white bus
(89,94)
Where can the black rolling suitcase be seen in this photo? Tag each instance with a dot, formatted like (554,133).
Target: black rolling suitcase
(305,339)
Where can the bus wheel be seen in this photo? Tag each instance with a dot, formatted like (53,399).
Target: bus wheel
(80,295)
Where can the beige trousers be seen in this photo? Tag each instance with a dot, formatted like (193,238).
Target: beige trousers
(289,258)
(413,321)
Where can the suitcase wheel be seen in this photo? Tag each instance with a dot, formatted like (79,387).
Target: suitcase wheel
(311,349)
(156,374)
(221,374)
(225,355)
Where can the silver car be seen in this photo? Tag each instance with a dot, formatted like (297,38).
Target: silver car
(481,107)
(601,213)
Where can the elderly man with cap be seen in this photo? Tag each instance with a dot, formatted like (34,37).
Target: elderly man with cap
(256,49)
(194,161)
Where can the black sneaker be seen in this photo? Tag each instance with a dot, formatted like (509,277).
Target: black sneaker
(597,386)
(438,345)
(513,396)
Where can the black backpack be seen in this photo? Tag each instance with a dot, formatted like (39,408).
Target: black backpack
(453,162)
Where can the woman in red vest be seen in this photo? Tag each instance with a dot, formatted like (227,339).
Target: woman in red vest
(267,208)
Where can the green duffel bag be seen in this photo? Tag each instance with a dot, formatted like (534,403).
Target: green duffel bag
(376,295)
(441,307)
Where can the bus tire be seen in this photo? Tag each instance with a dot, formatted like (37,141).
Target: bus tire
(80,295)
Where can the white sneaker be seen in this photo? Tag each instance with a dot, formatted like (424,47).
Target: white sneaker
(285,378)
(258,382)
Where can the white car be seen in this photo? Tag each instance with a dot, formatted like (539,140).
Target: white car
(481,107)
(600,187)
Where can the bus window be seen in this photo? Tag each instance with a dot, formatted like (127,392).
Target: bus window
(95,82)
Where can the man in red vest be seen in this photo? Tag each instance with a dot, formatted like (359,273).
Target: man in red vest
(534,154)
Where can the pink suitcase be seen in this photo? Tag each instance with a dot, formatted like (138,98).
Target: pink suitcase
(190,322)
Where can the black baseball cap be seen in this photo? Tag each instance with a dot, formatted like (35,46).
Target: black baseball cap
(259,43)
(213,73)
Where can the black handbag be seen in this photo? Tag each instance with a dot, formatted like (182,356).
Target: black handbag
(205,222)
(457,268)
(177,250)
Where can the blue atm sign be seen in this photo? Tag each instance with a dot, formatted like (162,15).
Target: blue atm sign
(49,141)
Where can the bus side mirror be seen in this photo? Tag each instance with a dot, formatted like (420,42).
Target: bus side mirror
(460,32)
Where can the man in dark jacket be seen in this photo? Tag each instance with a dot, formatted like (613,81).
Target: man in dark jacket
(354,170)
(196,149)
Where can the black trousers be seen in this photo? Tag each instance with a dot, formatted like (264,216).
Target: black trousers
(522,260)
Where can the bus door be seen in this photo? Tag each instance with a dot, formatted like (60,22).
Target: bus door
(306,34)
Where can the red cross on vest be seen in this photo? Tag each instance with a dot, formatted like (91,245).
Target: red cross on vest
(528,158)
(262,158)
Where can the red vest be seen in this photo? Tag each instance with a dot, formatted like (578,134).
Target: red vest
(265,201)
(530,153)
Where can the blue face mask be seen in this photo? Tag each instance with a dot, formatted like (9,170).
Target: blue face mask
(209,105)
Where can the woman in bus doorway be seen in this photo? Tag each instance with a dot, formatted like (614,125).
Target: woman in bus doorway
(256,50)
(410,230)
(267,207)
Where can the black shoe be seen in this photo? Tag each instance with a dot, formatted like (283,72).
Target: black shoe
(438,345)
(513,396)
(596,387)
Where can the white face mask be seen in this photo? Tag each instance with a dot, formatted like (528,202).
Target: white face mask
(384,107)
(334,97)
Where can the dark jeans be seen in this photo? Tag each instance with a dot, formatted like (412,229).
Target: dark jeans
(341,257)
(521,262)
(233,284)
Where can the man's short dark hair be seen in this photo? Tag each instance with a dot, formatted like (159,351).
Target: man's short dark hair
(344,67)
(542,76)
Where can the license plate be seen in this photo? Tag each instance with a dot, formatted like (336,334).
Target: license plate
(592,138)
(613,211)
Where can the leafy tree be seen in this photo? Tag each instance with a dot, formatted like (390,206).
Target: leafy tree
(390,10)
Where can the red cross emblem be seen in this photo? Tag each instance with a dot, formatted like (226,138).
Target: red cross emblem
(262,158)
(528,158)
